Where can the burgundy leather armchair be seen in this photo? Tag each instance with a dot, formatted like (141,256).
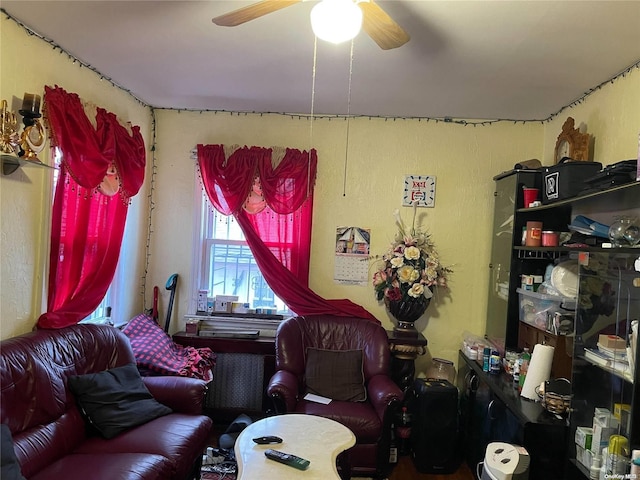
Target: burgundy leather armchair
(369,420)
(51,439)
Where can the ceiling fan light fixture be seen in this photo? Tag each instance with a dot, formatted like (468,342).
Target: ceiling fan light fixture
(336,21)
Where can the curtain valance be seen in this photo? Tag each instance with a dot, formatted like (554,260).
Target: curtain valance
(250,172)
(90,151)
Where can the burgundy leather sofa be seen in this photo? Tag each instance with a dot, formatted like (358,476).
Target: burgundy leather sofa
(52,439)
(369,419)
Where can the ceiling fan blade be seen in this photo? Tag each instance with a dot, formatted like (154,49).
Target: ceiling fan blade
(381,27)
(251,12)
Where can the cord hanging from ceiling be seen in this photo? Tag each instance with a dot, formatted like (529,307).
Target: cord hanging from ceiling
(346,147)
(311,115)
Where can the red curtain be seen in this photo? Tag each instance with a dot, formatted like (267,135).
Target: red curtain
(280,235)
(87,226)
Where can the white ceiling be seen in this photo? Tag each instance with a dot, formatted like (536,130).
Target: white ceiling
(521,60)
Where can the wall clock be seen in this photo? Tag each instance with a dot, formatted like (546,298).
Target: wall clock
(571,143)
(419,190)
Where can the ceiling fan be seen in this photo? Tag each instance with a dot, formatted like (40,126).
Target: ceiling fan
(375,21)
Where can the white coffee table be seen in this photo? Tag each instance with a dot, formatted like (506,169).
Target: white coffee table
(317,439)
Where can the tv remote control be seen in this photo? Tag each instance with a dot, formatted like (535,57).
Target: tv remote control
(267,439)
(287,459)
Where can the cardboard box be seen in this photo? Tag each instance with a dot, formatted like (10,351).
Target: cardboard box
(584,456)
(612,341)
(601,414)
(224,303)
(239,307)
(618,408)
(601,434)
(191,327)
(222,306)
(201,305)
(227,298)
(583,437)
(625,422)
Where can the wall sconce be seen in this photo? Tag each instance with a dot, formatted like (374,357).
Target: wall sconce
(27,145)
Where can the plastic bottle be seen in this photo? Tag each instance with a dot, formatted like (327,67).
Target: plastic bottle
(618,451)
(526,358)
(393,447)
(596,465)
(494,362)
(486,358)
(516,374)
(603,469)
(404,432)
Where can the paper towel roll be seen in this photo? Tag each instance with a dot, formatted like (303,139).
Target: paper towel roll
(539,370)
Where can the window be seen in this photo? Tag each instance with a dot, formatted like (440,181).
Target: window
(102,313)
(227,264)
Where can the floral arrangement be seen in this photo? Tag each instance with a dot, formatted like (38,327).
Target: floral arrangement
(411,266)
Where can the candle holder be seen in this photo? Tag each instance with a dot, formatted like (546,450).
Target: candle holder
(22,147)
(33,136)
(8,130)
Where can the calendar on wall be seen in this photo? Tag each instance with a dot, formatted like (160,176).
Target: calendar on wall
(351,265)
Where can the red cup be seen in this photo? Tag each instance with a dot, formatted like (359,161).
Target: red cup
(530,195)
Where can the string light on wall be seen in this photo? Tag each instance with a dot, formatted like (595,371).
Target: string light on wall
(74,60)
(152,206)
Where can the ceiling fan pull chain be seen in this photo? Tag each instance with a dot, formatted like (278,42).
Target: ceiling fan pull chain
(346,148)
(313,99)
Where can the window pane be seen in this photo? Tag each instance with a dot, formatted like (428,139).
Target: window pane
(228,264)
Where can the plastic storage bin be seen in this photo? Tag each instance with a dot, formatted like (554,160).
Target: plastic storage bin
(566,180)
(539,309)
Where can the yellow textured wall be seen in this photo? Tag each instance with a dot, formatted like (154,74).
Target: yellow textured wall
(27,64)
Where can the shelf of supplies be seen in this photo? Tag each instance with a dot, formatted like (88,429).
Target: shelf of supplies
(543,253)
(552,253)
(597,361)
(624,189)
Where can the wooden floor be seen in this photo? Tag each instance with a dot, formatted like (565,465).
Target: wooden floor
(406,470)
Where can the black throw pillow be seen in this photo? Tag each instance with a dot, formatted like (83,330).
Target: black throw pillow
(115,400)
(335,374)
(9,466)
